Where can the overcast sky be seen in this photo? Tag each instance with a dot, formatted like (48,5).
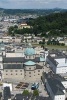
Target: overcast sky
(30,4)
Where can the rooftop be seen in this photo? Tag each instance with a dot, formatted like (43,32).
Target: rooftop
(29,51)
(56,86)
(7,93)
(55,76)
(29,63)
(13,66)
(52,60)
(29,97)
(13,59)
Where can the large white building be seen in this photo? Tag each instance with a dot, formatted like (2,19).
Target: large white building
(57,62)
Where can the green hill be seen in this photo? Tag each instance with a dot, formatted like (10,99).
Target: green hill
(54,24)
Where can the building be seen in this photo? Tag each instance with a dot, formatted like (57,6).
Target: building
(6,93)
(28,67)
(29,97)
(23,25)
(54,86)
(57,62)
(55,89)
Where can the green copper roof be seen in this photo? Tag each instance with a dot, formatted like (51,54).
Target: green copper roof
(2,46)
(29,51)
(29,63)
(42,59)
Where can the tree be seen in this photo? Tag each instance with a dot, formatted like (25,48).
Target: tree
(35,93)
(43,40)
(25,92)
(40,42)
(62,44)
(49,42)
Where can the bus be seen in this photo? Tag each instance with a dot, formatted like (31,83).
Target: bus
(35,86)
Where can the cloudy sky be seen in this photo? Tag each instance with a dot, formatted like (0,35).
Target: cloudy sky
(30,4)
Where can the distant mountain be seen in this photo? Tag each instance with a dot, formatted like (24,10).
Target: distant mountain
(30,11)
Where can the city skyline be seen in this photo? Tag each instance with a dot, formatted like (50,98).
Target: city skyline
(33,4)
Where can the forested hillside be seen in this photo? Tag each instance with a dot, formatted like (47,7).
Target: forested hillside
(51,25)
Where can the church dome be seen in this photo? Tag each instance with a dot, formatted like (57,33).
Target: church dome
(29,51)
(29,63)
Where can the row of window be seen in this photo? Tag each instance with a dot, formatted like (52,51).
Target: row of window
(34,75)
(12,74)
(31,72)
(15,70)
(20,71)
(21,74)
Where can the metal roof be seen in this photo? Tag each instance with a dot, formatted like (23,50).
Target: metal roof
(29,63)
(13,59)
(29,51)
(13,66)
(56,86)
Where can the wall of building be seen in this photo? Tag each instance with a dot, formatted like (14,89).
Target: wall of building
(13,73)
(38,73)
(64,84)
(1,66)
(60,60)
(41,63)
(60,70)
(33,74)
(59,97)
(29,57)
(30,75)
(30,67)
(14,54)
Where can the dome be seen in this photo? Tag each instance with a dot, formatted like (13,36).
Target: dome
(29,51)
(29,63)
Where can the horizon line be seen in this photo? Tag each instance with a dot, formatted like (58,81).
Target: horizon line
(33,8)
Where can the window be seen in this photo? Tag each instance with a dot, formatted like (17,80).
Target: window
(20,70)
(16,73)
(29,72)
(38,70)
(38,74)
(11,70)
(15,70)
(29,68)
(6,70)
(29,76)
(11,74)
(21,73)
(34,71)
(6,74)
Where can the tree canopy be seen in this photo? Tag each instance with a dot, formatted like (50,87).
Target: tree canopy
(35,93)
(25,92)
(51,25)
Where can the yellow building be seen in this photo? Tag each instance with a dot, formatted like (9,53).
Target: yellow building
(23,25)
